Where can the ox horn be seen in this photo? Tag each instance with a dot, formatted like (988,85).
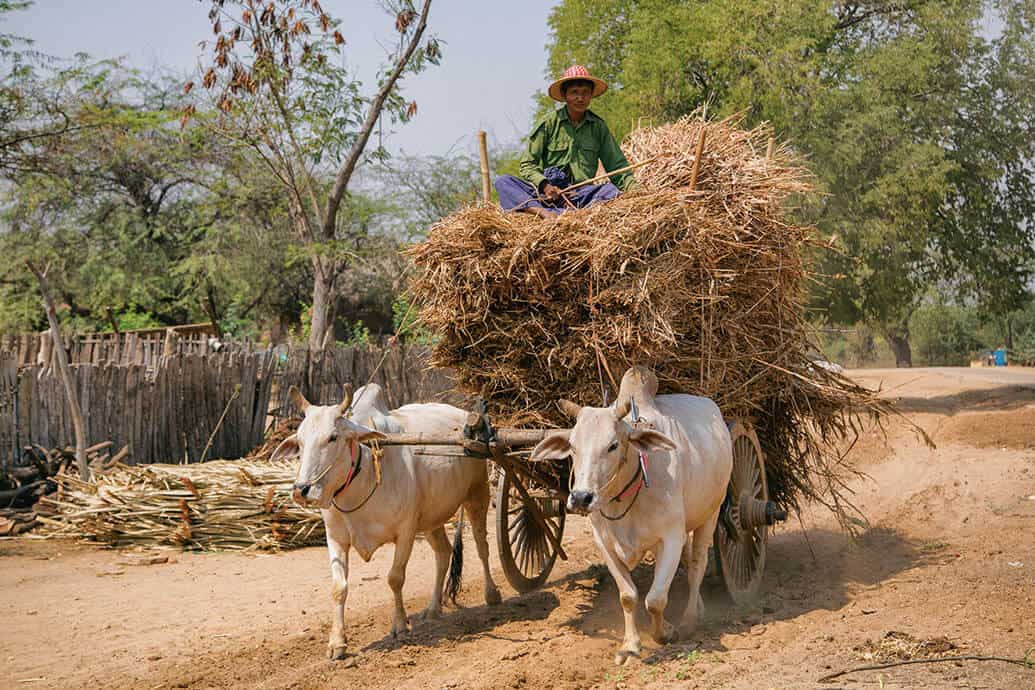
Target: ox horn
(569,408)
(346,402)
(298,399)
(622,406)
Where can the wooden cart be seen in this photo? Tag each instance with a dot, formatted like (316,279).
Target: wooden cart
(530,502)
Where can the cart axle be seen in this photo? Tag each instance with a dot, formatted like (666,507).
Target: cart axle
(756,513)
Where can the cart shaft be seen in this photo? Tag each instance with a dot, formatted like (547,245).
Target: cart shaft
(506,438)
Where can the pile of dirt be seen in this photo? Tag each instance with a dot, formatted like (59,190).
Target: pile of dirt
(702,283)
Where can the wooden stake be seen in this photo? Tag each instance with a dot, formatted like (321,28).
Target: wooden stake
(63,370)
(697,159)
(169,347)
(483,151)
(769,150)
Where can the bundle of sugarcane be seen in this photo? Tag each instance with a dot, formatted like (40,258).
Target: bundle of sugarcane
(223,504)
(699,275)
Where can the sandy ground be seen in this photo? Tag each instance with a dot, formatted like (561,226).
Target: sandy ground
(945,562)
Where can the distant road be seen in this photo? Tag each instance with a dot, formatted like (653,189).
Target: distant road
(1013,376)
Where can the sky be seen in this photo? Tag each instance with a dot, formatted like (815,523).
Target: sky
(493,64)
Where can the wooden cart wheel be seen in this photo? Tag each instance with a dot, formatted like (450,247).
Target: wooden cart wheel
(526,554)
(741,558)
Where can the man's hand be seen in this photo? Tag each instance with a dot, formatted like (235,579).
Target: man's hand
(551,192)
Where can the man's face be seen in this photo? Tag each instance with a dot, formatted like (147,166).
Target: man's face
(578,96)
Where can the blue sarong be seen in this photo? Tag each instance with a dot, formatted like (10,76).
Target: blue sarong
(516,193)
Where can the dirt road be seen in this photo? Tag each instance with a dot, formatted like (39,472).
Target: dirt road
(944,566)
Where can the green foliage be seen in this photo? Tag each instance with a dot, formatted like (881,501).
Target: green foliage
(429,188)
(130,214)
(945,335)
(855,347)
(404,322)
(358,336)
(916,124)
(132,319)
(1024,347)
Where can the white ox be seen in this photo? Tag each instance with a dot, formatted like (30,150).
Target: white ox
(688,459)
(416,493)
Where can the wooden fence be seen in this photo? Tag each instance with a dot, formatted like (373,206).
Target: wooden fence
(403,371)
(168,409)
(144,347)
(187,409)
(8,409)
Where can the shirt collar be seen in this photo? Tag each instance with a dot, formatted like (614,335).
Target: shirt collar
(562,112)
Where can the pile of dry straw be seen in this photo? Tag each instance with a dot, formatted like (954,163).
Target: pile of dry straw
(703,285)
(238,505)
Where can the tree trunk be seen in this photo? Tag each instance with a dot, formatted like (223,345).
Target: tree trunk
(898,340)
(209,304)
(66,374)
(320,322)
(321,311)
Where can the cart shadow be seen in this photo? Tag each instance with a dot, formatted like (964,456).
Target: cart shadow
(796,583)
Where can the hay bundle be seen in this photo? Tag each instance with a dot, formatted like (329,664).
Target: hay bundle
(237,505)
(703,285)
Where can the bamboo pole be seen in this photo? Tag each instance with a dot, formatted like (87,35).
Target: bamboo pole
(769,149)
(604,176)
(483,152)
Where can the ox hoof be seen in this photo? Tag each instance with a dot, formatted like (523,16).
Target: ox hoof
(430,614)
(667,634)
(400,632)
(336,652)
(623,655)
(492,597)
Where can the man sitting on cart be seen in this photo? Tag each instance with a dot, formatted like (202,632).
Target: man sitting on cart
(563,150)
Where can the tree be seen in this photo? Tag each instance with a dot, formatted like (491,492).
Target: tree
(136,217)
(429,188)
(917,127)
(276,76)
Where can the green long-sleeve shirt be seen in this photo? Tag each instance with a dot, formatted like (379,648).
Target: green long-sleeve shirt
(556,142)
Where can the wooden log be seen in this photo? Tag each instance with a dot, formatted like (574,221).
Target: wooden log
(22,496)
(121,456)
(483,155)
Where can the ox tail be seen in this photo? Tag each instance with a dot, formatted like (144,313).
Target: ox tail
(456,564)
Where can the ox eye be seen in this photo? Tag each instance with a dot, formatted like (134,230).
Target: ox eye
(613,447)
(333,438)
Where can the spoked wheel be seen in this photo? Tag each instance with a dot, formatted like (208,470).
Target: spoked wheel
(741,537)
(526,554)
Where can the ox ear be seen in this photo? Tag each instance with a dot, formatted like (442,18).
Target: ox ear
(298,399)
(569,408)
(648,439)
(288,448)
(358,432)
(555,446)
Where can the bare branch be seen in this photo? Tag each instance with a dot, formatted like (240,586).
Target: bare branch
(341,180)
